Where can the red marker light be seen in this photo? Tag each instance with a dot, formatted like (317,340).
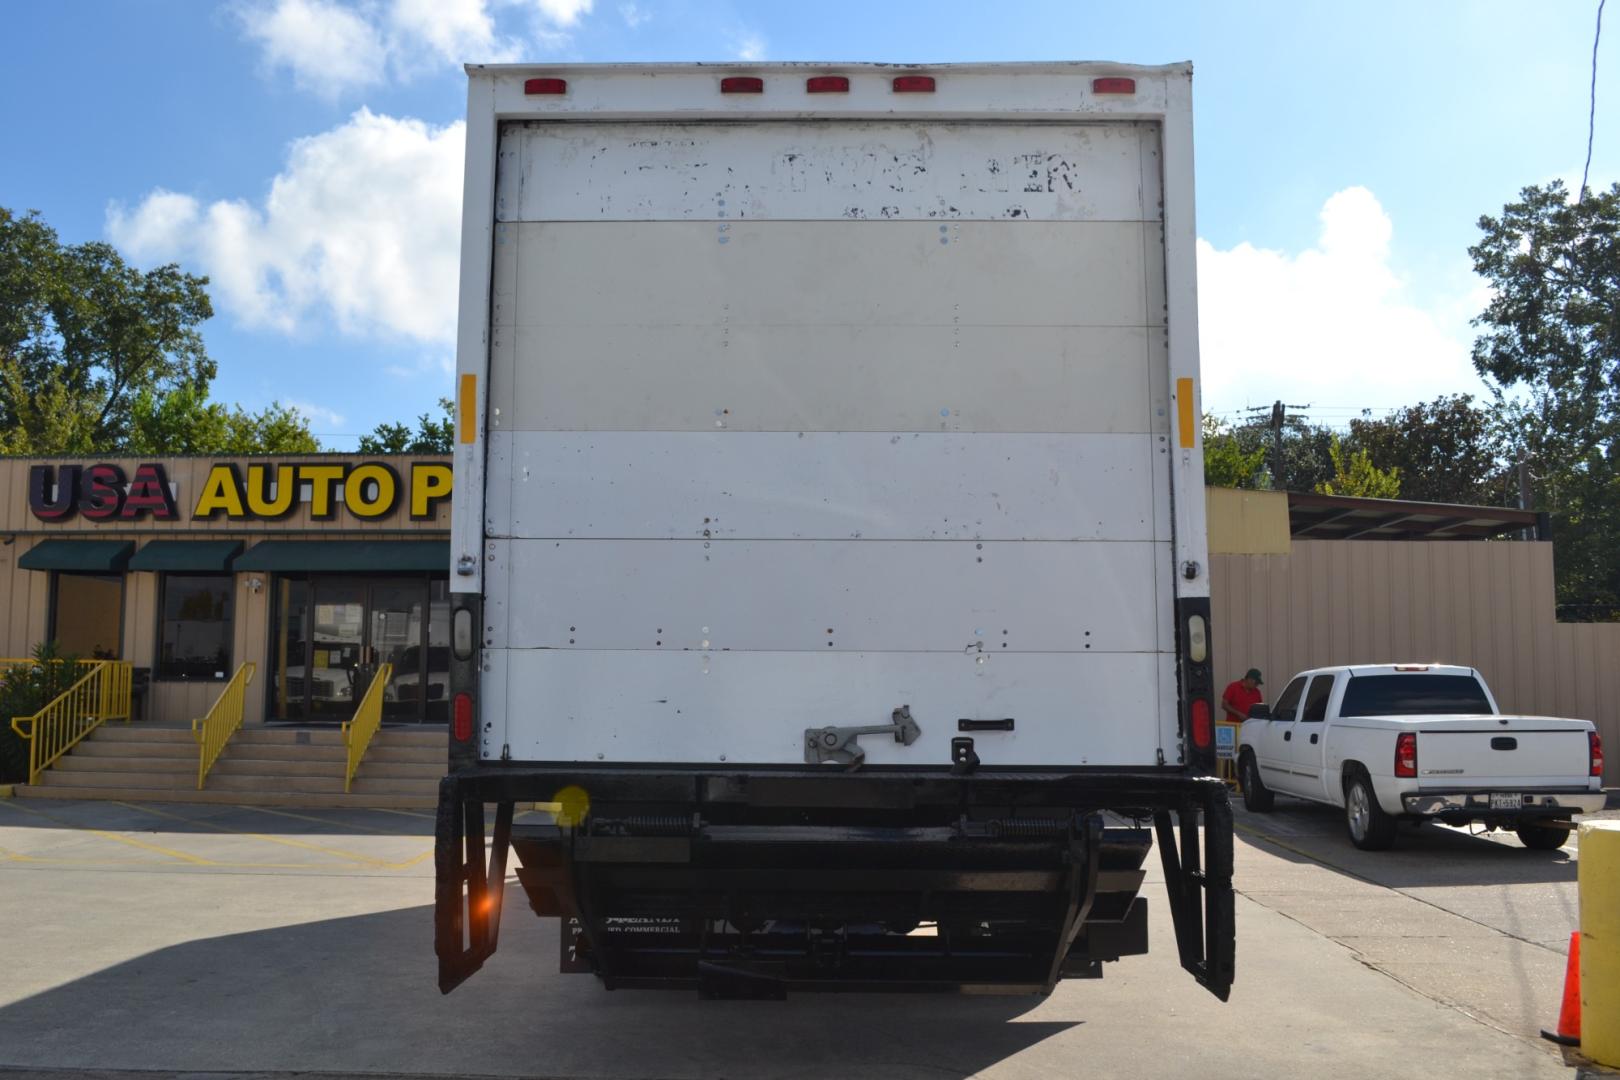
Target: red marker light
(913,84)
(462,724)
(1406,754)
(1202,732)
(826,84)
(545,86)
(1113,86)
(742,84)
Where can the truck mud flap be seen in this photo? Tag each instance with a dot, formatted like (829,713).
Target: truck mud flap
(758,899)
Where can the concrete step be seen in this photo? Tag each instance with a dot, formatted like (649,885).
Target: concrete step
(135,733)
(127,750)
(285,799)
(160,782)
(235,765)
(254,751)
(78,762)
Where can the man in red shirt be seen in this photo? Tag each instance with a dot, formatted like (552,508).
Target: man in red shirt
(1242,694)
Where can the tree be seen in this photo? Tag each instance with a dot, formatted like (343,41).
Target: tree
(1227,463)
(184,421)
(1550,349)
(430,437)
(1355,474)
(1447,450)
(83,334)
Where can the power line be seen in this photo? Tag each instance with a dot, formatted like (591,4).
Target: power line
(1591,113)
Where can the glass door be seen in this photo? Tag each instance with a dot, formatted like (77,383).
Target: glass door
(337,642)
(332,633)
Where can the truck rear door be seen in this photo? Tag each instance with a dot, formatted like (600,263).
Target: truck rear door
(794,422)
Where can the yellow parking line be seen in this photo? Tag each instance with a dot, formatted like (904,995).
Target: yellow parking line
(316,820)
(143,845)
(287,841)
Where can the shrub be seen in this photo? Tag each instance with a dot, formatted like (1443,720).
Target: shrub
(24,690)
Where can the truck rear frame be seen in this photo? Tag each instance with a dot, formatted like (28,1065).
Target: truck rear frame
(929,870)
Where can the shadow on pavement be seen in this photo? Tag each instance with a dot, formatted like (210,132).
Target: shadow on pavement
(1425,855)
(203,818)
(358,995)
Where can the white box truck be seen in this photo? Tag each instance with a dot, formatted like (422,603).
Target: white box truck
(828,537)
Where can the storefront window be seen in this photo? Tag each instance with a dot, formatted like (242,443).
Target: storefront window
(87,615)
(194,638)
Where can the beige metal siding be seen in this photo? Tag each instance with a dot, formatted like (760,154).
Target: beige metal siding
(1488,605)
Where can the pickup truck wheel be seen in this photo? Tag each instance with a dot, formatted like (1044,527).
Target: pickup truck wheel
(1542,837)
(1256,796)
(1370,828)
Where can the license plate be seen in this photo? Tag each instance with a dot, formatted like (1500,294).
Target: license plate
(1506,802)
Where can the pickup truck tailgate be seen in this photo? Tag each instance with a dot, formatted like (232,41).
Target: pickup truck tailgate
(1502,752)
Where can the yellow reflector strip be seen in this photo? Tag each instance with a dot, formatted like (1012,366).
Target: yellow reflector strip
(467,419)
(1184,411)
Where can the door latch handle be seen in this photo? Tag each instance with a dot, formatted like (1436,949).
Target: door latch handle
(838,743)
(1313,740)
(1288,736)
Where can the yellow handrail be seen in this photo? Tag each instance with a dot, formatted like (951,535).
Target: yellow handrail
(223,719)
(99,696)
(357,733)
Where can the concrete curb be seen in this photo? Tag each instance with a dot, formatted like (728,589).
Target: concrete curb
(5,791)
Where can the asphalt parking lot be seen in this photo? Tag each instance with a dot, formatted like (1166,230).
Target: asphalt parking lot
(227,940)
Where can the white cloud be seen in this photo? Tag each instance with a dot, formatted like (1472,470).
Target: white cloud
(332,47)
(562,12)
(328,48)
(634,15)
(318,415)
(360,227)
(456,31)
(1333,325)
(750,46)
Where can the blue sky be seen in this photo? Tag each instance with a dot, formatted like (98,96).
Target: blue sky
(306,155)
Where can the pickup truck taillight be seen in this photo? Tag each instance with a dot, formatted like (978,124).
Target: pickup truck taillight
(1595,742)
(1406,754)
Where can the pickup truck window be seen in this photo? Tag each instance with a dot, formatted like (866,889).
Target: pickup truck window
(1414,695)
(1316,701)
(1289,700)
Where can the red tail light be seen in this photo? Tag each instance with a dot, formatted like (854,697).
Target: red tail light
(1113,86)
(913,84)
(461,726)
(1406,754)
(1202,732)
(1595,742)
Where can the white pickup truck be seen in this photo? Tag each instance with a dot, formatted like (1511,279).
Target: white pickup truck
(1391,742)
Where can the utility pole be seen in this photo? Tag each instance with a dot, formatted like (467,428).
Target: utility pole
(1279,416)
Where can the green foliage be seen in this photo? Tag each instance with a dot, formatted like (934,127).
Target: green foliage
(1227,462)
(1447,450)
(1355,474)
(1550,347)
(430,437)
(184,421)
(24,690)
(82,334)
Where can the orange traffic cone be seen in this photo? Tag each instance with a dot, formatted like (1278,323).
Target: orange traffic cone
(1569,1014)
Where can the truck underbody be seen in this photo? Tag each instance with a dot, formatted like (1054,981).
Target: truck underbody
(755,881)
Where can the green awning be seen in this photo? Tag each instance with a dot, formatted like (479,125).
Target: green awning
(182,555)
(347,556)
(87,556)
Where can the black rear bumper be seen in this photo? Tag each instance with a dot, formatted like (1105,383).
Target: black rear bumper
(754,882)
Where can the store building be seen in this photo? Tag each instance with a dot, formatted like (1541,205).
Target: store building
(315,568)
